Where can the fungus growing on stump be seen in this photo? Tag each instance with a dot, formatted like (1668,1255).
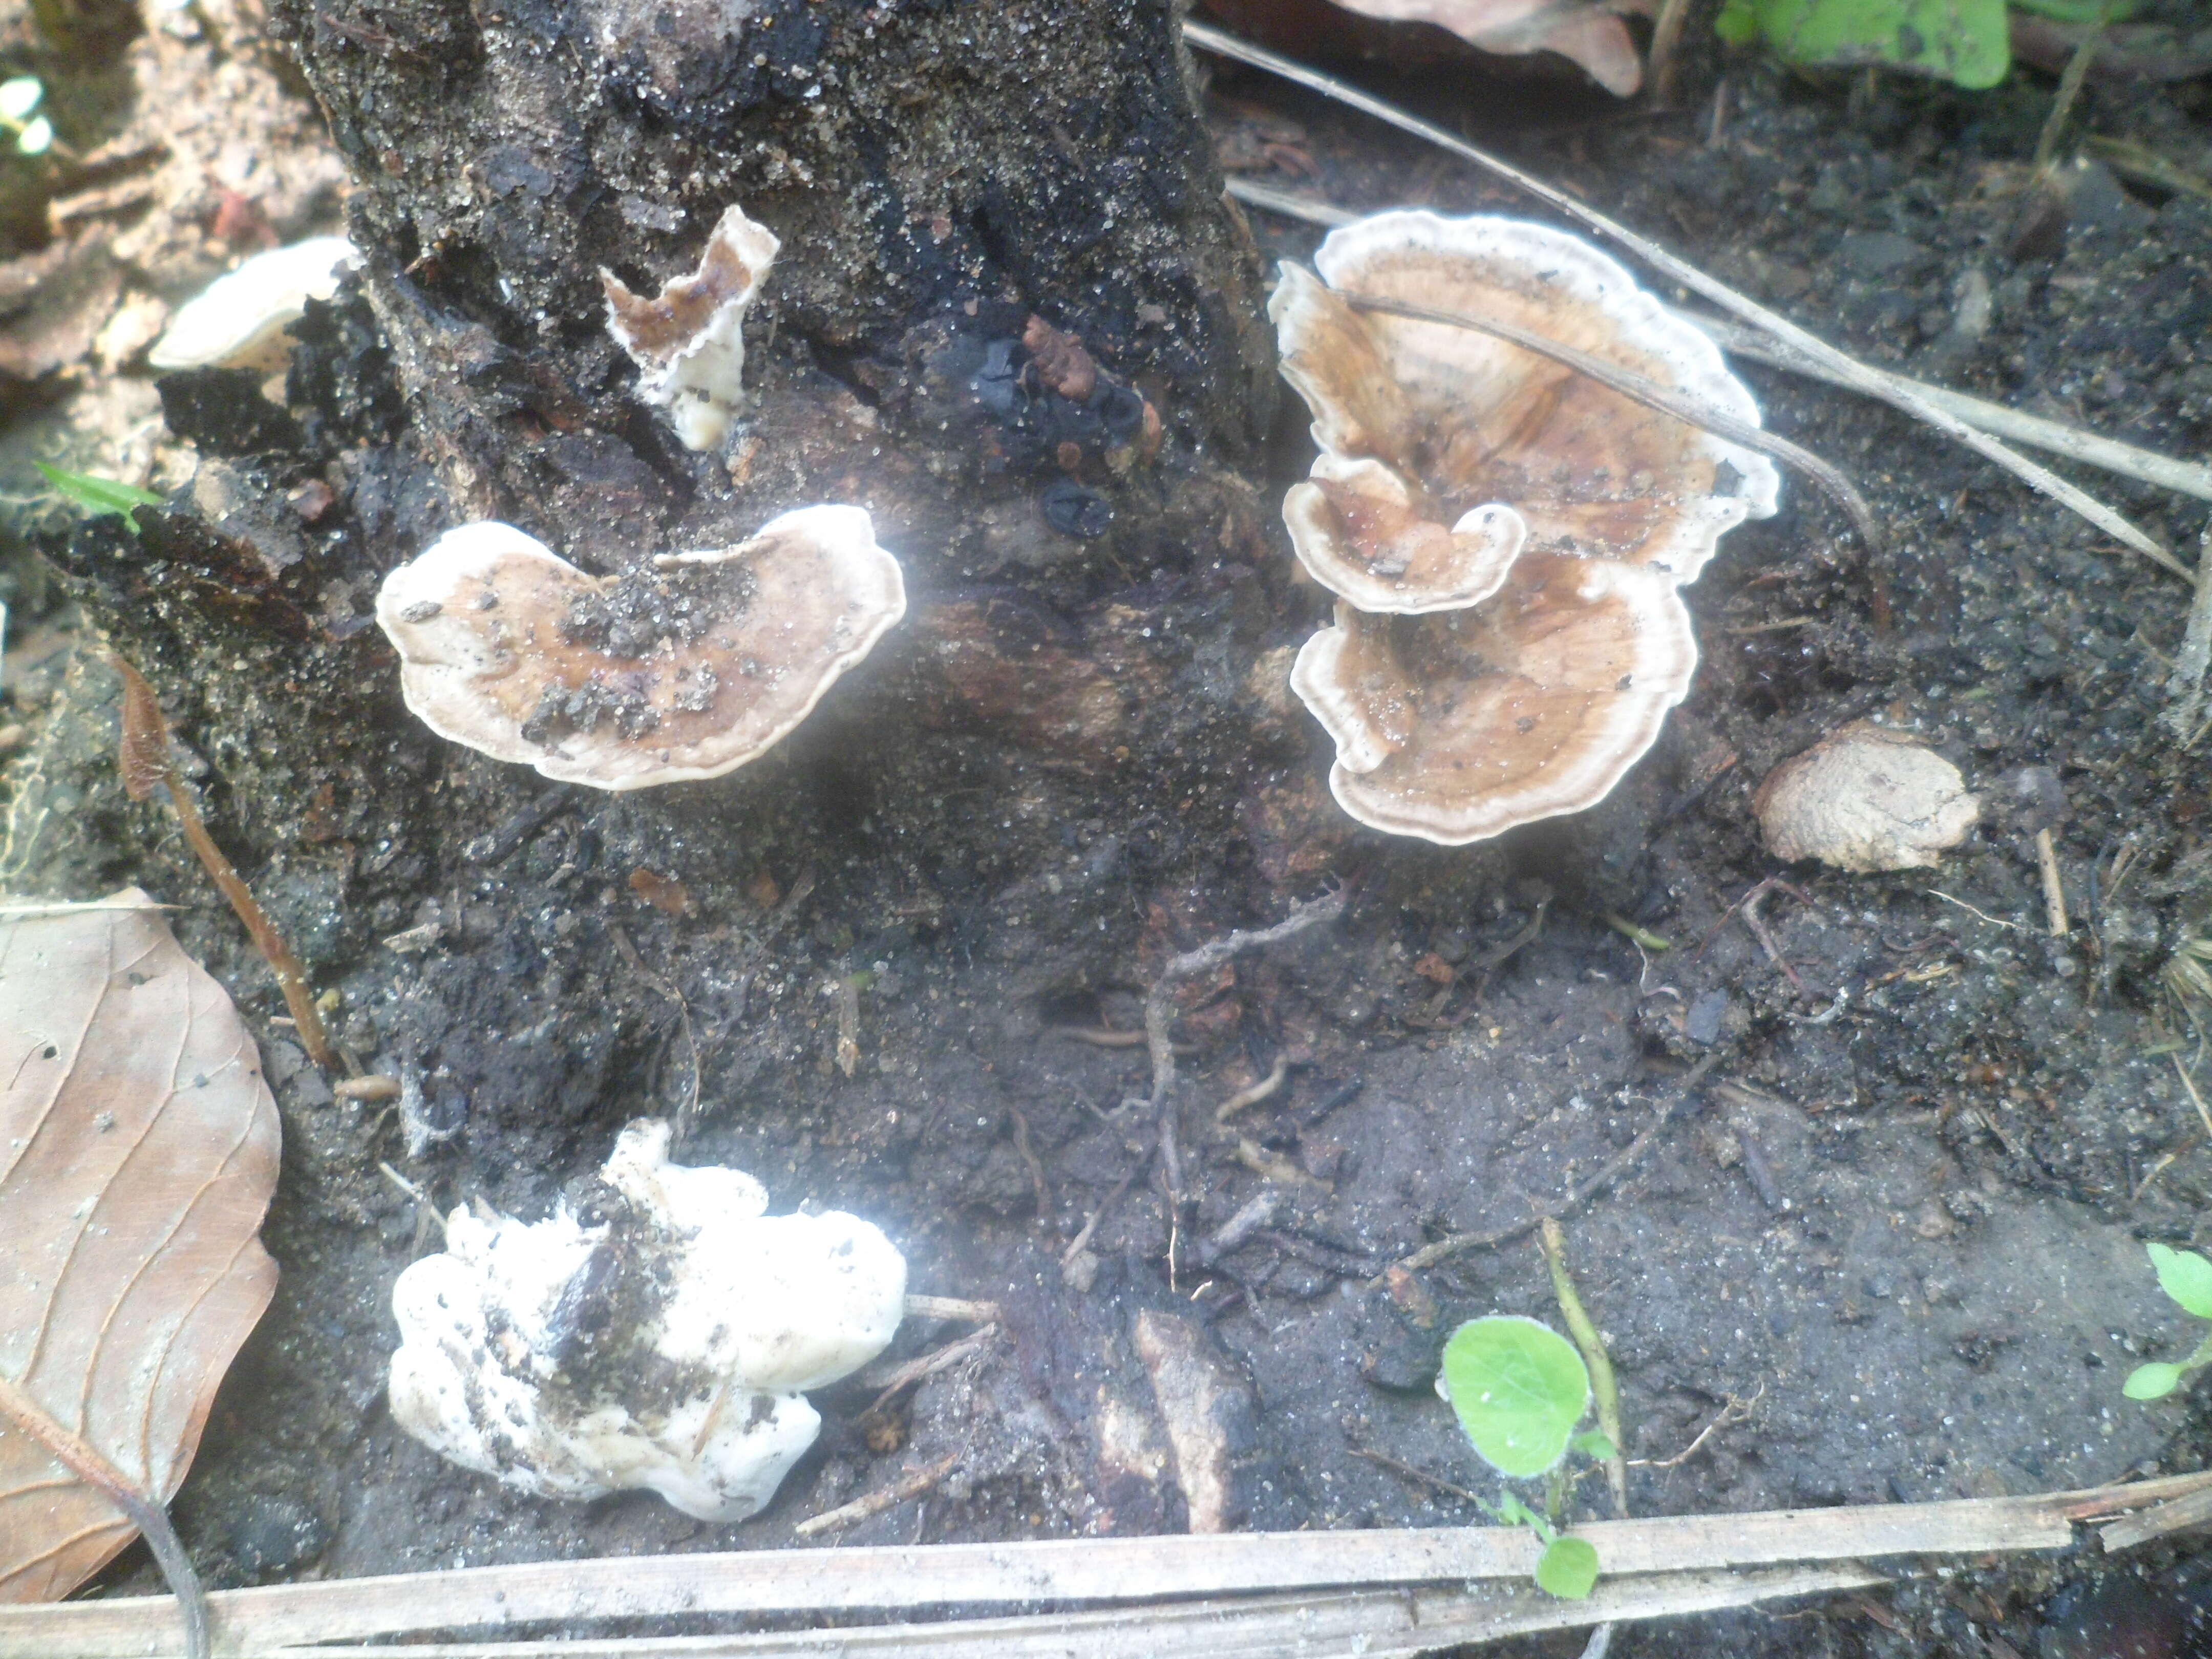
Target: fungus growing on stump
(242,320)
(688,342)
(1506,534)
(666,1345)
(686,670)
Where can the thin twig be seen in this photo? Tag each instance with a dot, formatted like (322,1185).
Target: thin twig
(2054,890)
(1732,1411)
(1605,1391)
(911,1485)
(1854,373)
(147,761)
(1258,1091)
(1749,908)
(687,1115)
(965,1310)
(930,1364)
(1082,1240)
(85,1462)
(1412,1472)
(1667,400)
(2069,88)
(1614,1167)
(2184,687)
(2195,1098)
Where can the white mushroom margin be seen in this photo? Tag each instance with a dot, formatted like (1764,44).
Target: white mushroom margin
(706,1318)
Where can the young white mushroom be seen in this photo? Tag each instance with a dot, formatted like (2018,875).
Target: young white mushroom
(688,341)
(1865,799)
(242,320)
(664,1347)
(684,671)
(1458,726)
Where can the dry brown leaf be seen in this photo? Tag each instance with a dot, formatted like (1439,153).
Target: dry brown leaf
(1589,34)
(139,1150)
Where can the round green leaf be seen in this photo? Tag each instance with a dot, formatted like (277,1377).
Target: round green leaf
(2152,1382)
(19,97)
(2185,1276)
(36,137)
(1568,1568)
(1519,1388)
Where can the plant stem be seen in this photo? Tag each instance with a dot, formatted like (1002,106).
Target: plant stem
(2069,88)
(83,1461)
(1603,1386)
(147,761)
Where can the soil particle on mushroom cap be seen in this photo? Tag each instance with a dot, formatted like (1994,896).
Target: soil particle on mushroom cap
(1865,799)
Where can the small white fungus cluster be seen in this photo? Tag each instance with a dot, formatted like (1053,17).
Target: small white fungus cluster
(667,1349)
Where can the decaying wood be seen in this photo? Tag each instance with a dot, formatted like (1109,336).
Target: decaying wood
(1291,1566)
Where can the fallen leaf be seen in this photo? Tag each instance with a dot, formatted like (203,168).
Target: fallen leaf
(139,1150)
(1589,34)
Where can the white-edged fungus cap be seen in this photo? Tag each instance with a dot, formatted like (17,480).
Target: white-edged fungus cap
(1464,420)
(688,340)
(1457,725)
(241,320)
(664,1348)
(1865,799)
(685,670)
(1591,36)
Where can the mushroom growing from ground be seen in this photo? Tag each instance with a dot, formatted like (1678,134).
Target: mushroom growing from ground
(1458,726)
(665,1345)
(241,320)
(1505,535)
(1865,799)
(686,670)
(688,342)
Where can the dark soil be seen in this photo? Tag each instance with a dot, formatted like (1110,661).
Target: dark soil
(1901,1223)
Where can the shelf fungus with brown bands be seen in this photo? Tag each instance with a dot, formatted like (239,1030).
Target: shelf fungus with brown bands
(1505,536)
(685,670)
(688,340)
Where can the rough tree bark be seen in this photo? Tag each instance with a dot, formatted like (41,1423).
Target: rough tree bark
(1084,708)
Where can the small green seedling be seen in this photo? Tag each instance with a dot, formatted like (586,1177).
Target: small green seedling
(100,495)
(2187,1278)
(1519,1388)
(19,98)
(1962,41)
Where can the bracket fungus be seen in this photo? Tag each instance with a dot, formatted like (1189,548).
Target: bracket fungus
(241,320)
(688,340)
(665,1345)
(1458,726)
(684,671)
(1505,535)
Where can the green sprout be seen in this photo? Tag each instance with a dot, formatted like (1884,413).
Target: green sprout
(1963,41)
(100,495)
(1519,1388)
(19,97)
(2187,1278)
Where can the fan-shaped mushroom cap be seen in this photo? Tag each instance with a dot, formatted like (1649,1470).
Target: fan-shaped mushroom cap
(1463,418)
(1367,535)
(686,671)
(240,321)
(688,341)
(1458,726)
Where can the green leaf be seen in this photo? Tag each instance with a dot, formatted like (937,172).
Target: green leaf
(1511,1511)
(100,495)
(36,137)
(2152,1382)
(19,97)
(1592,1443)
(1568,1569)
(1519,1388)
(2185,1276)
(1958,41)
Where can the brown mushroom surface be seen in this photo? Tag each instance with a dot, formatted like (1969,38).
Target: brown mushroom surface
(1458,726)
(1463,419)
(686,670)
